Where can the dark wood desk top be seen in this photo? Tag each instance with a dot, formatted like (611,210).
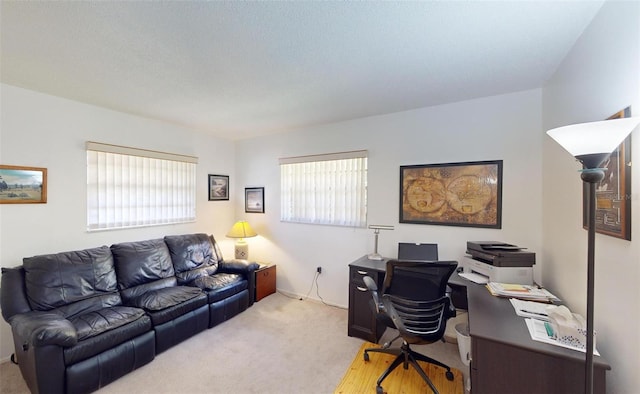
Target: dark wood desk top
(493,318)
(377,265)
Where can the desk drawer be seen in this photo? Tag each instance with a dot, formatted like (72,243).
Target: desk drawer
(358,273)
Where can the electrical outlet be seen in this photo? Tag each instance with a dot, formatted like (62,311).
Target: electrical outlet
(319,270)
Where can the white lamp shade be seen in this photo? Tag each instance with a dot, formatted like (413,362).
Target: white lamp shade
(594,137)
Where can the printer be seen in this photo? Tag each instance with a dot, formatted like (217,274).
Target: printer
(499,262)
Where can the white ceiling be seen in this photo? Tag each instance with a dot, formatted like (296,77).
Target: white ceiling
(244,69)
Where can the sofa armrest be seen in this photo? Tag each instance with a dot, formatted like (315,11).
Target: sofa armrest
(238,266)
(40,329)
(243,267)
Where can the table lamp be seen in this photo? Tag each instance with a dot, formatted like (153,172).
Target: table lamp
(241,230)
(376,231)
(591,144)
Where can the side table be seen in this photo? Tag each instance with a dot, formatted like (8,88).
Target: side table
(265,281)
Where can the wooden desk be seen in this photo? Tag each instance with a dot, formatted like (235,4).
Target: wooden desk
(504,357)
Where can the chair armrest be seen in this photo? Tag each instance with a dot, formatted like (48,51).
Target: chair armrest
(373,288)
(39,329)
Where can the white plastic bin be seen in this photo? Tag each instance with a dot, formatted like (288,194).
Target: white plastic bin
(464,342)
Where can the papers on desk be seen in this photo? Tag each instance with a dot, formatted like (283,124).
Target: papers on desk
(539,332)
(530,309)
(523,292)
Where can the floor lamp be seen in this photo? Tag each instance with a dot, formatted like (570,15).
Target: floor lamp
(591,144)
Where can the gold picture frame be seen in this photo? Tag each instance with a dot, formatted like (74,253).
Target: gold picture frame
(23,185)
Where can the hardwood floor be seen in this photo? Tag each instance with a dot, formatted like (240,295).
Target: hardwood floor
(361,377)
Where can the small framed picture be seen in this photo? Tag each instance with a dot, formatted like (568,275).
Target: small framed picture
(218,187)
(254,199)
(23,185)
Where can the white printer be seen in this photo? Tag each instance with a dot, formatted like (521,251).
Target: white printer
(499,262)
(519,275)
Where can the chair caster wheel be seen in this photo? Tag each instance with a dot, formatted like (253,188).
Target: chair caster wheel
(379,390)
(449,375)
(366,356)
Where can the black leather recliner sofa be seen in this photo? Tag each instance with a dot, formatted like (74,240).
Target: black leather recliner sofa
(82,319)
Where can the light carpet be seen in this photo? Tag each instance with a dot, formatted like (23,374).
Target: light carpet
(362,376)
(279,345)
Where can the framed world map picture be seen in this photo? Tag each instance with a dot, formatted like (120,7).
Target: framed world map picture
(452,194)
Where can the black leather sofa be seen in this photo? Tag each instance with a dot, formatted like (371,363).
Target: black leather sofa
(82,319)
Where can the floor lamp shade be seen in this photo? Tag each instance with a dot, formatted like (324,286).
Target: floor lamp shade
(592,143)
(240,231)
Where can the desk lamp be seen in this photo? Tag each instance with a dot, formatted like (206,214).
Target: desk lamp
(376,230)
(591,144)
(241,230)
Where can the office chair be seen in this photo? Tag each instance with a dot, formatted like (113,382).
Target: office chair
(415,302)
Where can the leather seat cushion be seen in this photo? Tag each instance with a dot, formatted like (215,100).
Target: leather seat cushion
(168,303)
(94,323)
(159,299)
(220,286)
(106,340)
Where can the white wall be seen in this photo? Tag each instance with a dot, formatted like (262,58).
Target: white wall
(599,77)
(38,130)
(491,128)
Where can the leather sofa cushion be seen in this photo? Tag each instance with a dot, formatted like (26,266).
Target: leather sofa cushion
(56,280)
(171,302)
(97,322)
(220,286)
(156,300)
(106,340)
(193,256)
(90,305)
(142,262)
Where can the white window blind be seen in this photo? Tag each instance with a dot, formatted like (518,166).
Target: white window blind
(129,187)
(325,189)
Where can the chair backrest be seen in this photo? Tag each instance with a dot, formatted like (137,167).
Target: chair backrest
(418,321)
(414,251)
(418,280)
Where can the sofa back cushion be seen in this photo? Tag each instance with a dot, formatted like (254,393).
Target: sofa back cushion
(142,266)
(193,256)
(72,282)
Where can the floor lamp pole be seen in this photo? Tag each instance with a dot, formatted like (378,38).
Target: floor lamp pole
(591,144)
(591,177)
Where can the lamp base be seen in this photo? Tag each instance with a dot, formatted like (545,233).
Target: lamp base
(374,256)
(242,251)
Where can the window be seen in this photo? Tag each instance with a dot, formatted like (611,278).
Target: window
(325,189)
(128,187)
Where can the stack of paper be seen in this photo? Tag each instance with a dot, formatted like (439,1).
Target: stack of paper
(523,292)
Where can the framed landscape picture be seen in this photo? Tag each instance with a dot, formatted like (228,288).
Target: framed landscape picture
(218,187)
(613,193)
(452,194)
(254,199)
(23,185)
